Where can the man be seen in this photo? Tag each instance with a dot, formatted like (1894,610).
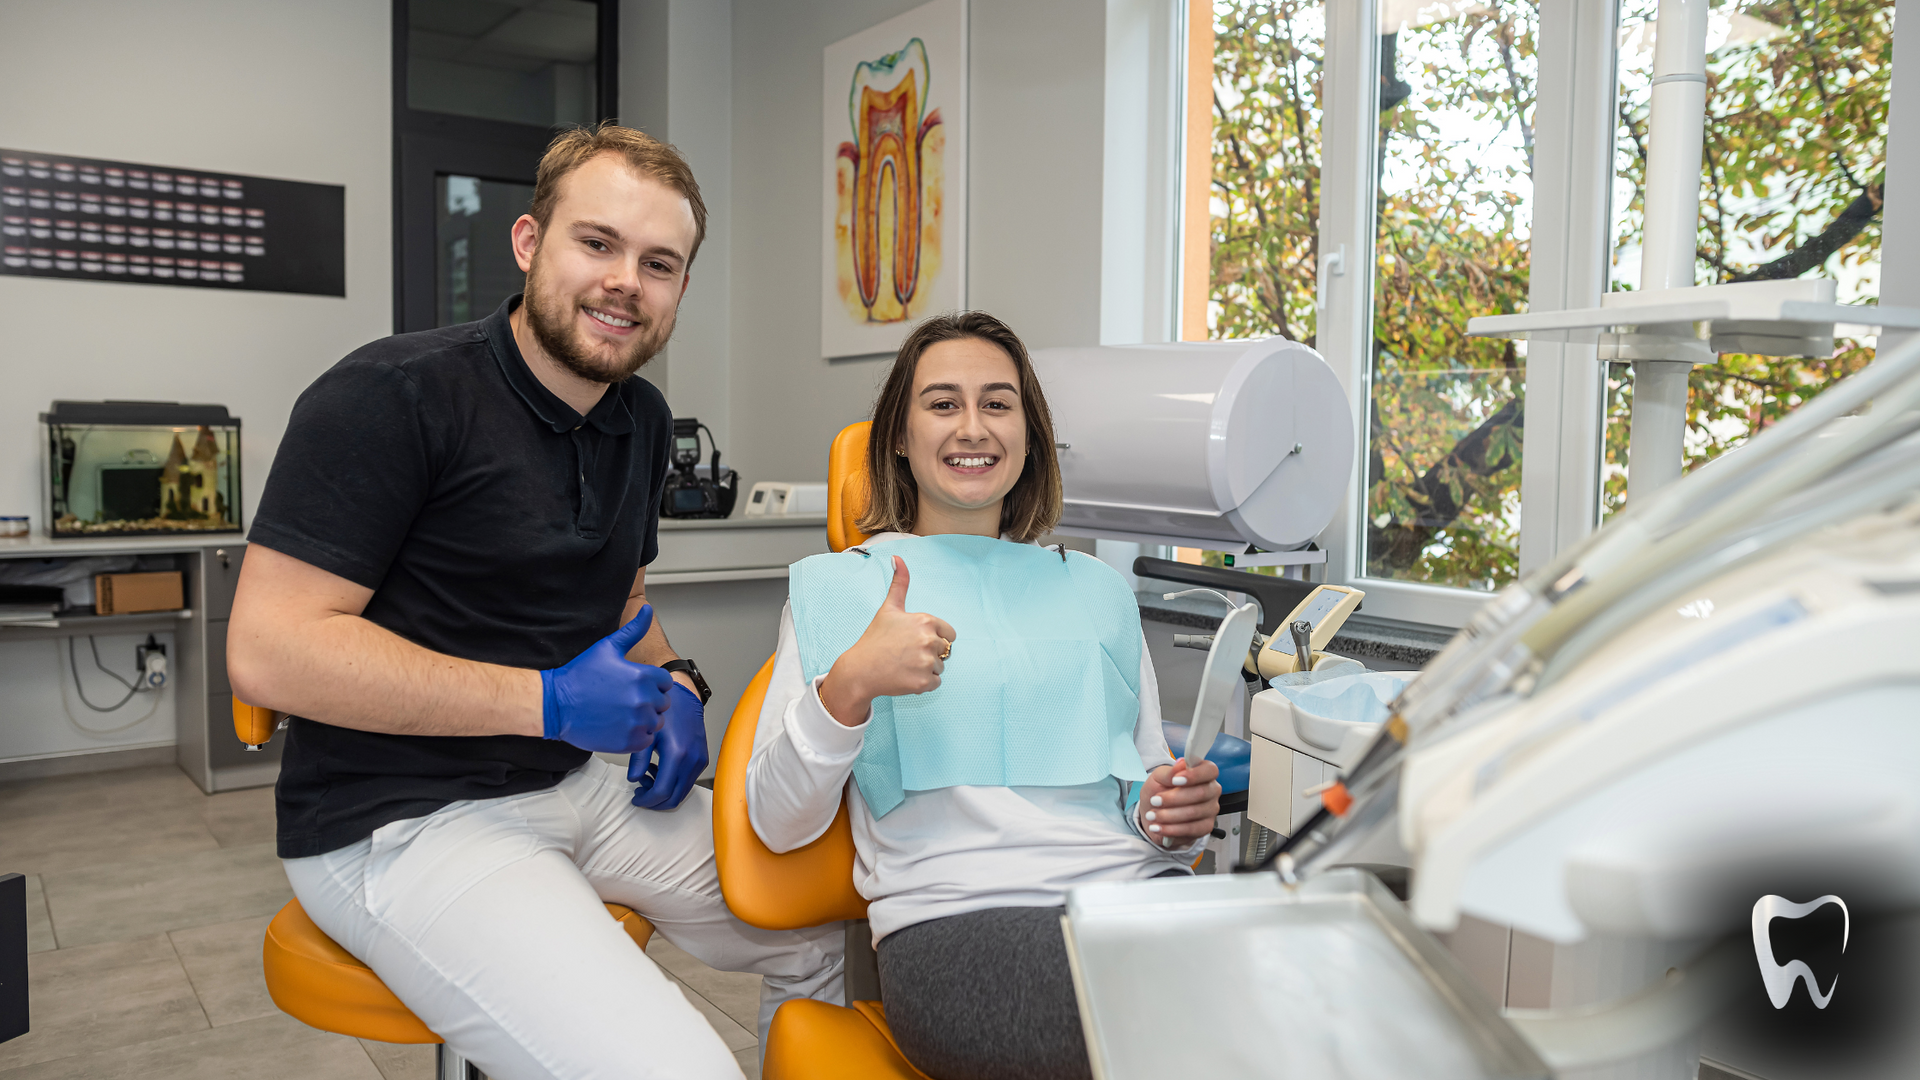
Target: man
(445,585)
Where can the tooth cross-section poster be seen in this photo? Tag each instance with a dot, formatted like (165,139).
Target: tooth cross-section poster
(895,142)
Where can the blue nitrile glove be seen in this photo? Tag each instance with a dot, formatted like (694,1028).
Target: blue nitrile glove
(602,701)
(682,746)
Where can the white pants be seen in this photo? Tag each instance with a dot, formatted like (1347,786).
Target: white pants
(486,919)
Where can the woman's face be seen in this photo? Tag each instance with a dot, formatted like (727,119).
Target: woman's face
(966,436)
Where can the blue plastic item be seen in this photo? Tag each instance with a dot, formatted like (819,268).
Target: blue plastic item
(1234,756)
(603,702)
(1042,689)
(682,746)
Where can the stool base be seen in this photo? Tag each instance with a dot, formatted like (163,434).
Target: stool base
(449,1065)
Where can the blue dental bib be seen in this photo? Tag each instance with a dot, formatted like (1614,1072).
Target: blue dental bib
(1042,689)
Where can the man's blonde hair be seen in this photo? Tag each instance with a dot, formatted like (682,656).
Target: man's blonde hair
(643,154)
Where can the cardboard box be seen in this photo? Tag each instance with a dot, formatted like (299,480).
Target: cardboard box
(128,594)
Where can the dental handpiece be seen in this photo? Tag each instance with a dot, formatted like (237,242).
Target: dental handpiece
(1302,645)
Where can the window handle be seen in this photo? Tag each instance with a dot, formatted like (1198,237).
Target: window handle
(1333,264)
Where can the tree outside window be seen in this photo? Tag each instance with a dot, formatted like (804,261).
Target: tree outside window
(1792,185)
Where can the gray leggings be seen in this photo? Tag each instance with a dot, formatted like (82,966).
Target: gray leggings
(984,996)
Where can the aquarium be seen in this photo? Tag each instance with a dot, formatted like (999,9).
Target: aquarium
(140,468)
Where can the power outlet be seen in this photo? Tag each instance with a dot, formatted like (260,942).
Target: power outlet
(151,659)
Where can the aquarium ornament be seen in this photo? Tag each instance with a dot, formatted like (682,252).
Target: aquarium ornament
(140,468)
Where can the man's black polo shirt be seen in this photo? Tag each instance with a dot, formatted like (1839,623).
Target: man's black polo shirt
(491,521)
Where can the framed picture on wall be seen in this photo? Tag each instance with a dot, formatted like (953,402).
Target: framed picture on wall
(894,147)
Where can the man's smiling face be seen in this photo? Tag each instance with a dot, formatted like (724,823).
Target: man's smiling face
(606,273)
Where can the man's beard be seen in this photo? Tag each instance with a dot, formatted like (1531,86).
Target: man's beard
(550,317)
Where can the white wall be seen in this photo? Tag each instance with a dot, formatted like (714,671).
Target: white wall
(1141,188)
(1034,222)
(43,715)
(676,84)
(297,91)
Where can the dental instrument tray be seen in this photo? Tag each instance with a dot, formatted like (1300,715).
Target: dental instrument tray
(133,468)
(1240,975)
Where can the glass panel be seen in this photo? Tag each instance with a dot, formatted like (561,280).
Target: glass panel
(1455,175)
(1265,206)
(474,266)
(1267,61)
(1791,186)
(528,63)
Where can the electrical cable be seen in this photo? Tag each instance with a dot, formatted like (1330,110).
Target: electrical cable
(74,664)
(713,469)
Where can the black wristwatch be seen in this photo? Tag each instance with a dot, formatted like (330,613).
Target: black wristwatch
(693,672)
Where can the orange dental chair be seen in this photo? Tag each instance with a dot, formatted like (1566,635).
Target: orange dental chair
(810,885)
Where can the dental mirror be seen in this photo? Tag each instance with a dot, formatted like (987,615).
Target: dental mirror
(1220,678)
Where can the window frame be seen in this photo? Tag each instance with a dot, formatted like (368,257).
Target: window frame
(1560,470)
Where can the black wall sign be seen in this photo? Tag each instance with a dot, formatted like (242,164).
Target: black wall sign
(91,220)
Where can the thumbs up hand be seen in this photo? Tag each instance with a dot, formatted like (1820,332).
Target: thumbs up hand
(604,702)
(902,652)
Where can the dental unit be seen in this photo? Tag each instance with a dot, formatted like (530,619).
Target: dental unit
(1708,701)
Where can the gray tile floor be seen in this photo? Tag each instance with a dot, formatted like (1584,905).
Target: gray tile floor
(146,903)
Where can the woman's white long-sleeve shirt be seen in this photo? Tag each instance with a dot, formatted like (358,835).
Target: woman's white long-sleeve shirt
(948,851)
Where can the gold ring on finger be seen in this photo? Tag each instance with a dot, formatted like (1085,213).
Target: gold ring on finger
(948,651)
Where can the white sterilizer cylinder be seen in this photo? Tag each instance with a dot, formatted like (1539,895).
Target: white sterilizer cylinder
(1234,442)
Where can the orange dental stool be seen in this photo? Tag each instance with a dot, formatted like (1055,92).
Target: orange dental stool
(810,885)
(320,984)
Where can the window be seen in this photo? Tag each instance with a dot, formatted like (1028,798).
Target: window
(1262,184)
(1453,171)
(474,267)
(1268,57)
(1454,219)
(1793,178)
(1399,138)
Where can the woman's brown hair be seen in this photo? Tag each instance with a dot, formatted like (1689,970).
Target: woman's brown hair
(1033,506)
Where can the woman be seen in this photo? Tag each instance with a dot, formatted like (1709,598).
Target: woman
(1004,741)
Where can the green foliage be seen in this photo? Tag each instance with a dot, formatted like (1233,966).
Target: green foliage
(1268,61)
(1456,186)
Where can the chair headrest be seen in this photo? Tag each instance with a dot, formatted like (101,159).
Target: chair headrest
(848,488)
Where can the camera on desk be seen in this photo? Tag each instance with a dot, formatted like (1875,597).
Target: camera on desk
(687,494)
